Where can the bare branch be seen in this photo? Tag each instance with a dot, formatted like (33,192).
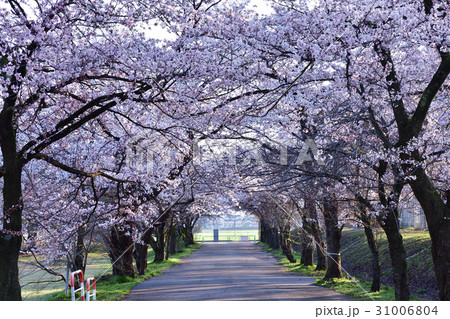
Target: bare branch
(75,171)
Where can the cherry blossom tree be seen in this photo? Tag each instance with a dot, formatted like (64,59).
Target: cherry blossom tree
(101,120)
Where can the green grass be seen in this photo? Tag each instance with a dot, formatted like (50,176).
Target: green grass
(348,285)
(417,245)
(112,287)
(227,235)
(355,256)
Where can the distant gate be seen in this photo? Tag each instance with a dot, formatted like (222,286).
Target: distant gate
(216,235)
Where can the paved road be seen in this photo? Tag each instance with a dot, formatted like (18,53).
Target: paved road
(230,271)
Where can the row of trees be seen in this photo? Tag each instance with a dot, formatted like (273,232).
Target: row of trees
(333,106)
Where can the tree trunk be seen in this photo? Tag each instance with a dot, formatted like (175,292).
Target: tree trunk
(312,228)
(188,230)
(158,244)
(119,242)
(397,252)
(367,221)
(171,241)
(179,242)
(80,253)
(315,231)
(373,247)
(140,256)
(189,235)
(321,257)
(263,232)
(286,243)
(77,262)
(10,236)
(388,220)
(438,219)
(274,242)
(333,233)
(307,256)
(140,252)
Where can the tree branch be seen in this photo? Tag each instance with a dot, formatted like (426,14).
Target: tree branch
(430,92)
(378,129)
(75,171)
(394,90)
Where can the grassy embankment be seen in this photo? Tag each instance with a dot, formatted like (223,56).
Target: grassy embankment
(356,261)
(110,287)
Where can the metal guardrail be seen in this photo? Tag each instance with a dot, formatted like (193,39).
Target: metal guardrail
(72,284)
(90,282)
(90,287)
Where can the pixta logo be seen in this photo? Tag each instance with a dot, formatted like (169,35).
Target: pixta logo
(262,153)
(150,152)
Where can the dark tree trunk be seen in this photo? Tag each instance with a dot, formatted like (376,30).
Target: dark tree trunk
(307,256)
(158,244)
(120,253)
(286,245)
(188,235)
(321,257)
(263,232)
(438,219)
(140,256)
(312,235)
(274,241)
(388,220)
(80,254)
(269,235)
(315,231)
(367,222)
(171,241)
(10,236)
(78,260)
(376,269)
(398,256)
(140,252)
(333,233)
(188,230)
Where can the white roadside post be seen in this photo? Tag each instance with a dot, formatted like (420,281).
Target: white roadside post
(88,289)
(72,284)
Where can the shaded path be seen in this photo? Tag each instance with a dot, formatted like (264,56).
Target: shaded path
(230,271)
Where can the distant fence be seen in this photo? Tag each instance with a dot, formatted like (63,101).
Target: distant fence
(228,236)
(200,238)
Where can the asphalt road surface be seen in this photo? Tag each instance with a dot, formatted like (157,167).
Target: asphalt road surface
(230,271)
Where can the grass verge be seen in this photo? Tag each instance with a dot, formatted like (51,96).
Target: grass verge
(359,290)
(116,287)
(422,280)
